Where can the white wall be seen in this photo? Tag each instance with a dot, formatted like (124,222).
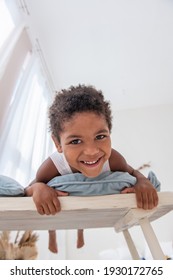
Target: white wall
(146,135)
(123,47)
(141,135)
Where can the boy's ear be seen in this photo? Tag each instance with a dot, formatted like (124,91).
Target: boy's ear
(57,144)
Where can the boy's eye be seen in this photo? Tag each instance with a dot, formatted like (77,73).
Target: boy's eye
(99,137)
(75,141)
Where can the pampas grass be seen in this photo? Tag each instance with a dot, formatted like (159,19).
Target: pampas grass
(23,248)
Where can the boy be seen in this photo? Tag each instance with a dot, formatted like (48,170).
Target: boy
(81,123)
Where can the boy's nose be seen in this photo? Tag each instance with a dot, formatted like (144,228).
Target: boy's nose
(91,150)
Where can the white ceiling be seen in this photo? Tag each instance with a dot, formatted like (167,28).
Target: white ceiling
(124,47)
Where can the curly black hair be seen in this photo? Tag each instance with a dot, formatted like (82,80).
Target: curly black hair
(74,100)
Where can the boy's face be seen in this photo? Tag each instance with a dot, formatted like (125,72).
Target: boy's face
(86,143)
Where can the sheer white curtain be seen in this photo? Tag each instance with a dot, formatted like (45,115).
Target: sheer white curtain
(25,140)
(24,99)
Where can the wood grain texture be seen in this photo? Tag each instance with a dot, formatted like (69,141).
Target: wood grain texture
(119,211)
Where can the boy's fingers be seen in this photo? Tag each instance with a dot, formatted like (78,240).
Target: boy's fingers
(139,199)
(40,210)
(60,193)
(147,200)
(43,209)
(156,199)
(150,201)
(46,210)
(50,208)
(128,190)
(56,204)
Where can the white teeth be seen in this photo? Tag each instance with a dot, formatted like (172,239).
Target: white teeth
(90,162)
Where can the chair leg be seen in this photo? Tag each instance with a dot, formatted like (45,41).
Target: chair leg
(151,239)
(131,245)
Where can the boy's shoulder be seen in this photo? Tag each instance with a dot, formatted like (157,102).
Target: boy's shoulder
(116,161)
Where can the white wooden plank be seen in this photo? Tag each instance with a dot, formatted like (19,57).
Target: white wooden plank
(131,245)
(19,213)
(151,239)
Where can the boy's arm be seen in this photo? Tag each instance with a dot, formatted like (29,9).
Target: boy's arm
(146,194)
(45,198)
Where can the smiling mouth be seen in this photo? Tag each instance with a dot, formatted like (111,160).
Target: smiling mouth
(91,163)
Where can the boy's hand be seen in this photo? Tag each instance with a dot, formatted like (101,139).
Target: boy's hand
(146,194)
(46,199)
